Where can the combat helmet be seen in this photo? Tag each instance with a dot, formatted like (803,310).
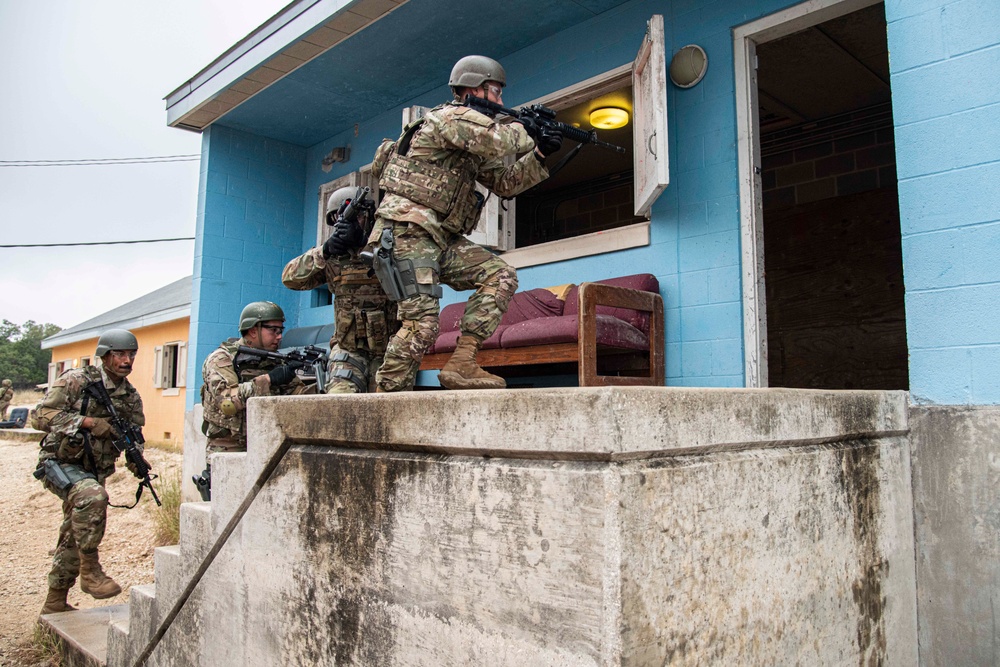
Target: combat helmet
(260,311)
(6,382)
(116,339)
(337,200)
(472,71)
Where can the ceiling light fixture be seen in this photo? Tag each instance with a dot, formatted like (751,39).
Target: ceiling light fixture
(609,118)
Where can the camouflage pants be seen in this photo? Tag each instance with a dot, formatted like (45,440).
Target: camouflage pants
(3,411)
(85,513)
(356,375)
(464,265)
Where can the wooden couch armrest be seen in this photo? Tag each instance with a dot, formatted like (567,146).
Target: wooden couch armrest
(592,295)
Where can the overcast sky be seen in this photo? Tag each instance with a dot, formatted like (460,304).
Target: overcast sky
(85,79)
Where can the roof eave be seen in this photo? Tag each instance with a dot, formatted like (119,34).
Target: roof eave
(149,319)
(294,36)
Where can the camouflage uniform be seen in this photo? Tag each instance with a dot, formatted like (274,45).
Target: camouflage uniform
(364,315)
(464,142)
(6,396)
(85,503)
(224,395)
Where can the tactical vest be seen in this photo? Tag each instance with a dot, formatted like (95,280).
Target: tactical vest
(448,188)
(216,423)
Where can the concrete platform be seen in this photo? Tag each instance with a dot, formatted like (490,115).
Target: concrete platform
(84,633)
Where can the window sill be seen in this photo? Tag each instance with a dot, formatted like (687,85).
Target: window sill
(597,243)
(173,391)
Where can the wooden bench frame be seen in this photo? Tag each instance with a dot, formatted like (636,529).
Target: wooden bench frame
(585,351)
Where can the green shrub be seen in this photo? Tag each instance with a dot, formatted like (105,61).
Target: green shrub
(168,516)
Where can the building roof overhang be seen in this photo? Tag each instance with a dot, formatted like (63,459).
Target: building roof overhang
(318,67)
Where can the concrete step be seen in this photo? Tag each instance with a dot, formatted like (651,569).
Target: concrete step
(196,532)
(84,633)
(171,572)
(120,652)
(229,487)
(142,616)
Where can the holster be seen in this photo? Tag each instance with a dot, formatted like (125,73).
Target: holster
(61,475)
(399,277)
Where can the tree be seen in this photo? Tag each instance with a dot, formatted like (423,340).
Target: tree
(22,358)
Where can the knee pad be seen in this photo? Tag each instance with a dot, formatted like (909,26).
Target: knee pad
(351,368)
(504,283)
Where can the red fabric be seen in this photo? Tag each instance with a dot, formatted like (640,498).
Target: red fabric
(610,331)
(645,282)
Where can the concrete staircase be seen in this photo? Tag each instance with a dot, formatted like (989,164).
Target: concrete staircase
(580,527)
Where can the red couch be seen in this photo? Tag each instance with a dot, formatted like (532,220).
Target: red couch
(618,340)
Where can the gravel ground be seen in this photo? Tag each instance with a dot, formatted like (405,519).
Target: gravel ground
(29,525)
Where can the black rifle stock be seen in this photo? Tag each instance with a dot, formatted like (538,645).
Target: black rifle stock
(310,356)
(128,440)
(544,118)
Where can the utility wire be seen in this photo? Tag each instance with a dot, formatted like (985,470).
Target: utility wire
(67,245)
(100,162)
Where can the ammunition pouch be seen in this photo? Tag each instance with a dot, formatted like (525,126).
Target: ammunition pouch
(399,277)
(449,192)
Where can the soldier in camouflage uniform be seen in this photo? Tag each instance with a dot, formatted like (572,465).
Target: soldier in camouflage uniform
(6,396)
(80,439)
(429,176)
(364,315)
(225,391)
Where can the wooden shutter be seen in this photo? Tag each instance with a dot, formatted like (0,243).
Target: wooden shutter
(158,367)
(182,357)
(649,91)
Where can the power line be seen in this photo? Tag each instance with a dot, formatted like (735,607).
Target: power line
(100,162)
(68,245)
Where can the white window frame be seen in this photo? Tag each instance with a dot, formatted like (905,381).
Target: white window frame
(649,139)
(745,40)
(162,356)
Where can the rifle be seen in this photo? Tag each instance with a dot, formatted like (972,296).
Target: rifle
(128,440)
(544,118)
(309,356)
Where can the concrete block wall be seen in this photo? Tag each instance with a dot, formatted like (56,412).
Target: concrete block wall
(945,65)
(249,225)
(559,527)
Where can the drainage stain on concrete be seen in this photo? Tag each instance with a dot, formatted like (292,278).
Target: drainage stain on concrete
(346,518)
(859,479)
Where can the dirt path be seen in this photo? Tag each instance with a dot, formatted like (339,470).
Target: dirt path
(29,525)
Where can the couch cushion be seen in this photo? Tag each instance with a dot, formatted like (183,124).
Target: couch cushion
(532,304)
(610,331)
(645,282)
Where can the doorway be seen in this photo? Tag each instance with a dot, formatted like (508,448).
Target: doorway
(825,214)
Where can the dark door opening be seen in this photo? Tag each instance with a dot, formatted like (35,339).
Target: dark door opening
(832,249)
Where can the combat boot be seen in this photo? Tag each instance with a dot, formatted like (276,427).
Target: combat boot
(93,581)
(462,371)
(55,602)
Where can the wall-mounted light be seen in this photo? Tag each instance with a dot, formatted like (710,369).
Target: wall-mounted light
(609,118)
(688,66)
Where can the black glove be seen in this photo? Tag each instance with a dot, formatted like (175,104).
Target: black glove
(134,470)
(346,236)
(530,126)
(549,141)
(283,374)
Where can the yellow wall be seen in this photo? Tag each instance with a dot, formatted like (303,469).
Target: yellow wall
(164,408)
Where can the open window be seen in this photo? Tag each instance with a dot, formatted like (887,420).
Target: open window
(170,366)
(600,201)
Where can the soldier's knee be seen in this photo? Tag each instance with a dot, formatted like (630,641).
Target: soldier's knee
(91,498)
(504,282)
(425,331)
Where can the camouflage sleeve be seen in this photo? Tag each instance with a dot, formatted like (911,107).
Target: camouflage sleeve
(471,131)
(509,181)
(221,381)
(59,411)
(305,272)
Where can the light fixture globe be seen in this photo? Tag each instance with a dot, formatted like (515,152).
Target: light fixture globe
(688,66)
(608,118)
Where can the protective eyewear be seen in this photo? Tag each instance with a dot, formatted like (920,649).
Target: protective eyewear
(273,328)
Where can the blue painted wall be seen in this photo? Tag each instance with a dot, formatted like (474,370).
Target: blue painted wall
(249,223)
(945,62)
(945,67)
